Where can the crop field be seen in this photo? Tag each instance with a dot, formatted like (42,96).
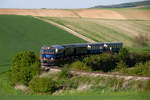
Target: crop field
(18,33)
(115,13)
(100,30)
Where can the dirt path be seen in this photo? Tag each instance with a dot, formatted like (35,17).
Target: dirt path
(68,30)
(96,74)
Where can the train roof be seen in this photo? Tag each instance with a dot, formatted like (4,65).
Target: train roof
(79,44)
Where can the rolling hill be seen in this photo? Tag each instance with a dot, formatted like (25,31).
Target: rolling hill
(127,5)
(18,33)
(118,13)
(130,32)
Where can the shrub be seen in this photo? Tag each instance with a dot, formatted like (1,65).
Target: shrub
(140,69)
(42,85)
(121,67)
(25,66)
(80,66)
(123,55)
(103,62)
(65,73)
(25,75)
(24,58)
(67,84)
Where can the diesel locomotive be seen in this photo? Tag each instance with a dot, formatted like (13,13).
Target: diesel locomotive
(49,54)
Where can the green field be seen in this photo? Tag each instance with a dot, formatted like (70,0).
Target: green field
(9,93)
(19,33)
(101,30)
(104,97)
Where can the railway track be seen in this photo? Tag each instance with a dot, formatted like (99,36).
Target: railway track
(96,74)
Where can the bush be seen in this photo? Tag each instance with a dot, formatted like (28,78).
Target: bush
(25,66)
(80,66)
(123,55)
(103,62)
(65,73)
(42,85)
(121,67)
(140,69)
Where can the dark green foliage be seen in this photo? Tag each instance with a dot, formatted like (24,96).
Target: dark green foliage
(78,65)
(121,67)
(25,66)
(123,55)
(25,75)
(142,57)
(140,69)
(42,85)
(103,62)
(25,58)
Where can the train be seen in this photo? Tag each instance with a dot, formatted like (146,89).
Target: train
(50,54)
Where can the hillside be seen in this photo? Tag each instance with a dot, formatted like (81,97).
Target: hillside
(19,33)
(128,13)
(127,5)
(126,31)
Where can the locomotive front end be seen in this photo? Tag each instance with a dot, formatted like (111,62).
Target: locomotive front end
(47,56)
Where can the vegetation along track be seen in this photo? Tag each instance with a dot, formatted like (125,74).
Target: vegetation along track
(97,74)
(68,30)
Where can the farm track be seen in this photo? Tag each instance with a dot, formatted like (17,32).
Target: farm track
(68,30)
(97,74)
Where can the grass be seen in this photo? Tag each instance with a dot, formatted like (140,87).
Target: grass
(9,93)
(111,96)
(18,33)
(5,87)
(109,30)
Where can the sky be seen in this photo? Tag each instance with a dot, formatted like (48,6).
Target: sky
(65,4)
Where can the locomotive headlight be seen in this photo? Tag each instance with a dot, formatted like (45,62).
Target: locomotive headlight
(52,58)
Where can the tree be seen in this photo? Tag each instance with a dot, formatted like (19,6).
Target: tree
(25,65)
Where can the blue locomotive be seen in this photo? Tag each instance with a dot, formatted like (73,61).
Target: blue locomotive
(49,54)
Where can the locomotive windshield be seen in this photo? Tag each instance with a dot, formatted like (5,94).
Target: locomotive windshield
(47,53)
